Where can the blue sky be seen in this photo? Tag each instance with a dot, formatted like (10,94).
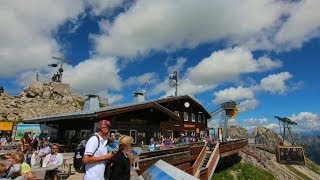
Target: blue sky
(262,54)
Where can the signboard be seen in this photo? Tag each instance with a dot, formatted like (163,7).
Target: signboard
(22,128)
(189,125)
(37,128)
(6,126)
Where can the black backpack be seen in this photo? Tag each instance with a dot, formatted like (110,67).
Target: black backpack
(77,158)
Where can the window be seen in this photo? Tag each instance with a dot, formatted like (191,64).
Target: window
(177,113)
(133,134)
(199,118)
(203,119)
(193,117)
(185,116)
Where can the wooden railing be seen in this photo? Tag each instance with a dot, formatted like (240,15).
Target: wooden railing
(231,147)
(207,172)
(214,159)
(188,157)
(198,161)
(181,156)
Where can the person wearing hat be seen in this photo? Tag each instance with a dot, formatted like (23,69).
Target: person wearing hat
(96,153)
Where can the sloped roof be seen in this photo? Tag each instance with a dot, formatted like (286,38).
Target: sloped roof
(63,116)
(117,109)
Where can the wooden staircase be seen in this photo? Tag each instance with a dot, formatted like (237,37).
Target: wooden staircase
(205,160)
(206,163)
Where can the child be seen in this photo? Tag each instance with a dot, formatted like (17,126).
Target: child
(19,168)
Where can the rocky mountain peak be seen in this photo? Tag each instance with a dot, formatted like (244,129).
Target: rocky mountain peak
(237,132)
(39,99)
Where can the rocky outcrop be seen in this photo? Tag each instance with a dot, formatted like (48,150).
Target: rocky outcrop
(266,137)
(39,100)
(237,132)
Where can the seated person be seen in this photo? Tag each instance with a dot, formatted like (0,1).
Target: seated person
(159,144)
(152,144)
(27,152)
(35,159)
(45,150)
(18,167)
(55,159)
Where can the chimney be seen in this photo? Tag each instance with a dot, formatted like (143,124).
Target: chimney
(138,97)
(91,102)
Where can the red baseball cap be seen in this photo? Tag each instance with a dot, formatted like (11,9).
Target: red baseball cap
(104,123)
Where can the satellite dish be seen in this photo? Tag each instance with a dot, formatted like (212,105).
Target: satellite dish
(171,83)
(186,104)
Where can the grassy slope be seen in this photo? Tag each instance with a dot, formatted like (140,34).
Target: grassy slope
(243,171)
(313,166)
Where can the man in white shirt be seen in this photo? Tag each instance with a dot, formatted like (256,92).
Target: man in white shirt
(96,153)
(38,156)
(55,159)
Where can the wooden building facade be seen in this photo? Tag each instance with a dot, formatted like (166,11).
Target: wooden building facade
(168,117)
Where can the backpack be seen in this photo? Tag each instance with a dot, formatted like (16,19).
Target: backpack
(77,158)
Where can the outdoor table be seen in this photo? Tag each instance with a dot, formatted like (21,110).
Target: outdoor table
(40,172)
(7,147)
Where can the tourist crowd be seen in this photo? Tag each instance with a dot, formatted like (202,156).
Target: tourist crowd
(31,152)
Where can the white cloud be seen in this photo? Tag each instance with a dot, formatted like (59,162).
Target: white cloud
(149,78)
(306,121)
(255,122)
(302,25)
(94,75)
(275,83)
(233,94)
(274,127)
(26,32)
(248,104)
(180,61)
(185,87)
(228,64)
(304,116)
(251,123)
(232,122)
(111,98)
(98,7)
(169,25)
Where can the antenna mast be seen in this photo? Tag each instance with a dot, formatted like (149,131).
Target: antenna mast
(173,81)
(58,77)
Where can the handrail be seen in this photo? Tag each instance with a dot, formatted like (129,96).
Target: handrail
(215,156)
(232,145)
(158,157)
(214,159)
(199,159)
(164,151)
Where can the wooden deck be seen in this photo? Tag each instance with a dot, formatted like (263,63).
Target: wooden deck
(194,158)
